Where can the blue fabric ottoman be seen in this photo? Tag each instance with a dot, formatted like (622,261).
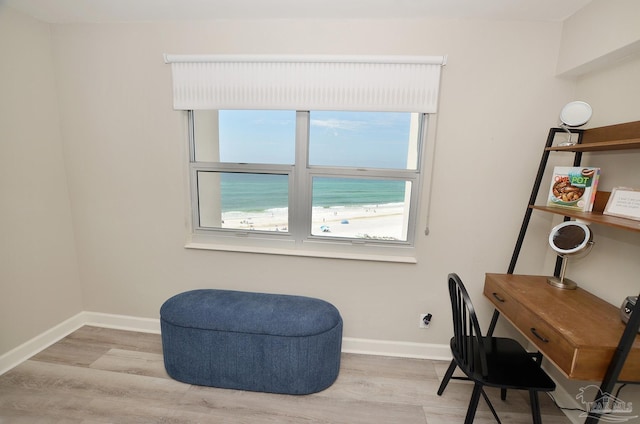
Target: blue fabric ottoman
(251,341)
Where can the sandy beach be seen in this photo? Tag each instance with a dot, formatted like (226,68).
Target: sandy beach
(381,221)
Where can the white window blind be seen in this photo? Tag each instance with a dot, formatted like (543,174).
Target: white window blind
(363,83)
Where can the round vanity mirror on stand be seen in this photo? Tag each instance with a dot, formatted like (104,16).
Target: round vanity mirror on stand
(567,239)
(573,115)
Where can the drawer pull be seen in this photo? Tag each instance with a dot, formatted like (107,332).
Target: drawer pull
(498,298)
(535,333)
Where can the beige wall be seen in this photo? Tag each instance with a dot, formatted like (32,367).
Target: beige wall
(603,32)
(39,284)
(125,157)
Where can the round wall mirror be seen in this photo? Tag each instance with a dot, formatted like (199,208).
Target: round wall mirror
(569,238)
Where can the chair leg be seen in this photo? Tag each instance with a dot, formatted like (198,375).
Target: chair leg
(473,404)
(447,377)
(493,411)
(503,394)
(535,407)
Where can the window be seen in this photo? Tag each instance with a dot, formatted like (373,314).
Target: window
(307,155)
(306,180)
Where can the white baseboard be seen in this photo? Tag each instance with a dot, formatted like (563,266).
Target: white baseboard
(122,322)
(151,325)
(398,349)
(26,350)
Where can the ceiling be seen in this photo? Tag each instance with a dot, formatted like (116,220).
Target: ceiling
(98,11)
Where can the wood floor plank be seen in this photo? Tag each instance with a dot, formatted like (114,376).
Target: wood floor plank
(71,352)
(133,411)
(41,377)
(98,376)
(251,407)
(87,344)
(372,387)
(447,415)
(40,420)
(26,405)
(118,339)
(129,362)
(386,366)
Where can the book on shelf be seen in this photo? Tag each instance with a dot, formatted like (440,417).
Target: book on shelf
(574,187)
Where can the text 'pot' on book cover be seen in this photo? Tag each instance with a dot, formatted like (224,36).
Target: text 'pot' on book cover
(574,187)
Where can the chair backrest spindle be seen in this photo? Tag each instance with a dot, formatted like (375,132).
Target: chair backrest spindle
(468,343)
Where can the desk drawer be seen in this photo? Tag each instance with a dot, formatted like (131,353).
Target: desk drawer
(503,301)
(549,341)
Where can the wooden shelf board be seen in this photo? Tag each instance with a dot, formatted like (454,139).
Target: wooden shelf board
(633,143)
(594,217)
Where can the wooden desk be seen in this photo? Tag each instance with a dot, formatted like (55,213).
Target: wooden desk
(574,329)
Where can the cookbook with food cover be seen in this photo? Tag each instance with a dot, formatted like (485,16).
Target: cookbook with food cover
(574,187)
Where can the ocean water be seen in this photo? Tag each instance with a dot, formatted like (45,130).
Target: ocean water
(260,192)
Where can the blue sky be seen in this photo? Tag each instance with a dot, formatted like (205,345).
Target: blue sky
(360,139)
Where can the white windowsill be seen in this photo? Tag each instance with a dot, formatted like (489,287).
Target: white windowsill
(324,253)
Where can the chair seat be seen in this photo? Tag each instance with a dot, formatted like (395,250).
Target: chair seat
(505,355)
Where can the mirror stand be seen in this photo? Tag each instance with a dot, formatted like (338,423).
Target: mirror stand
(561,282)
(569,141)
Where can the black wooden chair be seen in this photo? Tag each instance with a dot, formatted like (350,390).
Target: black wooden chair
(490,361)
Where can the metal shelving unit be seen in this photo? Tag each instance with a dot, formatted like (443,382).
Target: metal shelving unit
(614,137)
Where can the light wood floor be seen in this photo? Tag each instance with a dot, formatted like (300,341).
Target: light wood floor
(98,375)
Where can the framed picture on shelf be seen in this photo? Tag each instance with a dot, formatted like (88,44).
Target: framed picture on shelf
(624,202)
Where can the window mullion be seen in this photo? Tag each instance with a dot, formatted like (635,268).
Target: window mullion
(300,193)
(192,138)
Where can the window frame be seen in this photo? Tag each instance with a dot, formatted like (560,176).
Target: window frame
(298,240)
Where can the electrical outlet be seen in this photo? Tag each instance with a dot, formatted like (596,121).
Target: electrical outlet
(425,320)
